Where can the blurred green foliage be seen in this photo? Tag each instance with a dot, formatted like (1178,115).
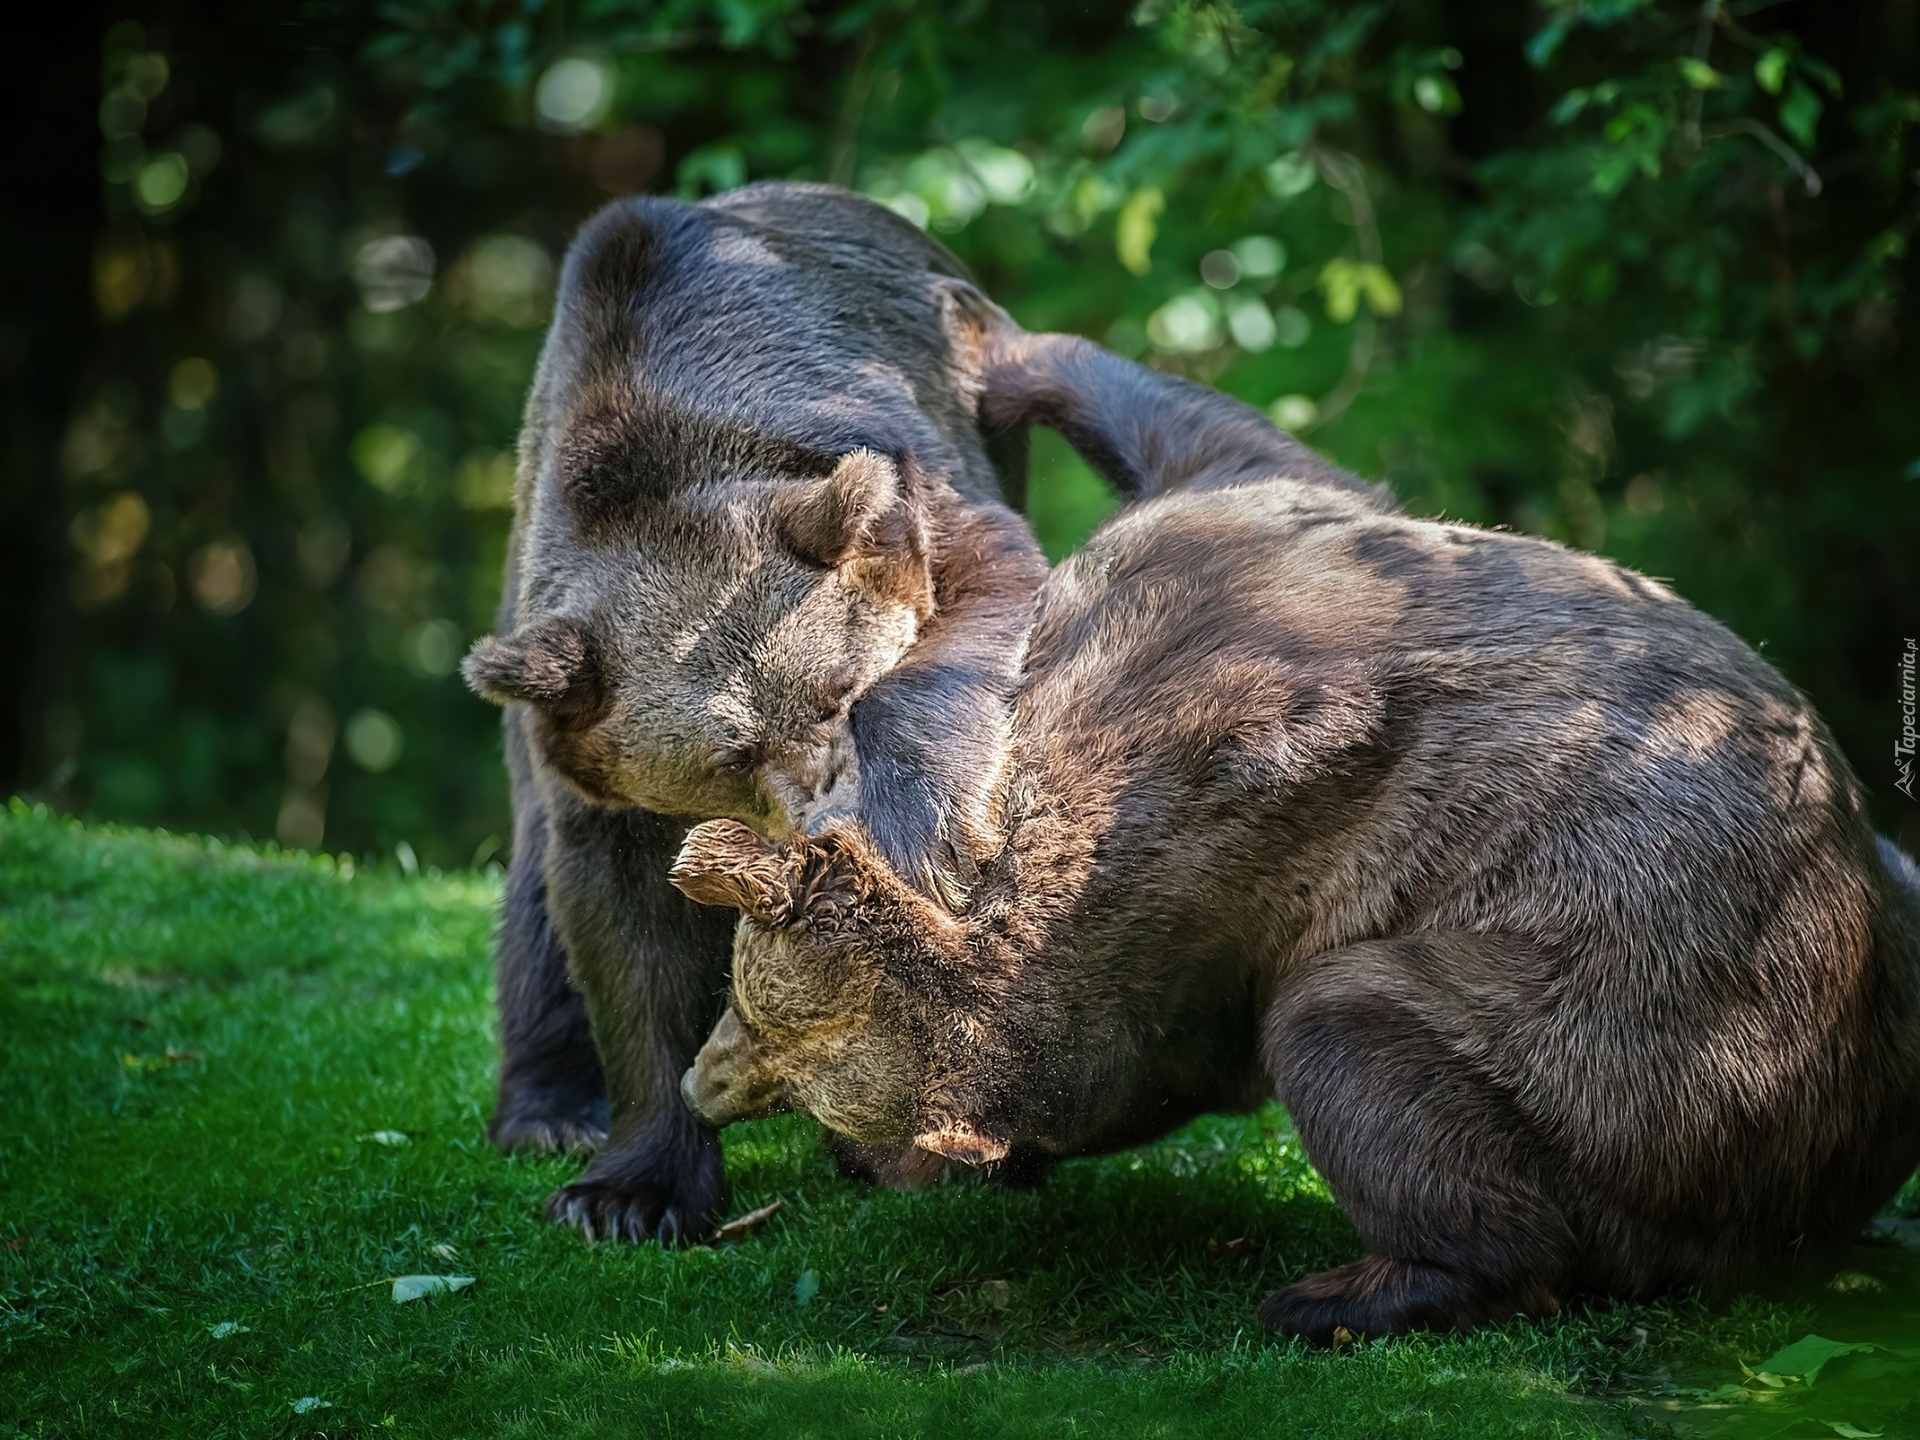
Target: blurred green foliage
(1629,273)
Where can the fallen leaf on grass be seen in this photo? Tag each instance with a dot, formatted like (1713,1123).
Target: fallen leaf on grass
(1793,1370)
(806,1287)
(306,1404)
(745,1225)
(997,1293)
(418,1287)
(1852,1432)
(131,1061)
(386,1137)
(227,1327)
(1232,1249)
(18,1242)
(1804,1359)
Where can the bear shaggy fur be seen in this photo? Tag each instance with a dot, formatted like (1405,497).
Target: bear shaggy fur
(760,568)
(1546,907)
(759,539)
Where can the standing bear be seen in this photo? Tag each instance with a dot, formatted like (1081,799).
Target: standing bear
(1547,908)
(760,567)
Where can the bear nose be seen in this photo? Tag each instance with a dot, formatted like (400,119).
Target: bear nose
(693,1095)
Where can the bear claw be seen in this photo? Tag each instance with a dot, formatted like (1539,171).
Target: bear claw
(630,1213)
(550,1115)
(579,1134)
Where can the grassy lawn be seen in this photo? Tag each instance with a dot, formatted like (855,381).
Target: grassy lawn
(241,1092)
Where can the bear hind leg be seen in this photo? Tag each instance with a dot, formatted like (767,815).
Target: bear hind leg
(1389,1057)
(1379,1295)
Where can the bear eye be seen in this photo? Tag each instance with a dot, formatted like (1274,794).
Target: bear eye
(737,759)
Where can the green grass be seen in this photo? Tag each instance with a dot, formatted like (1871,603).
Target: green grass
(200,1040)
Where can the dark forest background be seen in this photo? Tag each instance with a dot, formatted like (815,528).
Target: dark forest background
(1634,275)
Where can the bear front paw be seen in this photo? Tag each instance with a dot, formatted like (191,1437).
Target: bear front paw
(673,1198)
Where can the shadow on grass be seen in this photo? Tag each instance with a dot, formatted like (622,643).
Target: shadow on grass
(210,1052)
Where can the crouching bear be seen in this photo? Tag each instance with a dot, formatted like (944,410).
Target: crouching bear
(1545,906)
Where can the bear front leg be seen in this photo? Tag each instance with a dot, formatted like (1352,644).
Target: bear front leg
(1389,1056)
(551,1095)
(652,967)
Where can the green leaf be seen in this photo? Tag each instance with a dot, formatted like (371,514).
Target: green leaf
(1823,72)
(1292,174)
(1852,1432)
(719,166)
(1345,282)
(1436,95)
(1804,1358)
(806,1287)
(1699,74)
(1771,71)
(1569,106)
(1383,294)
(1137,228)
(1800,114)
(418,1287)
(1546,41)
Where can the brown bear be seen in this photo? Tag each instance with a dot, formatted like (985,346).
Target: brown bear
(1547,908)
(760,566)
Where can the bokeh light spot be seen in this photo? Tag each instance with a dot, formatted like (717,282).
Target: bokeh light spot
(1186,323)
(1295,412)
(193,384)
(431,648)
(574,93)
(222,576)
(393,272)
(374,740)
(161,182)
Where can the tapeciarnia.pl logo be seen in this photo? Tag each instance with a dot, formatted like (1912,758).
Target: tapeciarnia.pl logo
(1903,748)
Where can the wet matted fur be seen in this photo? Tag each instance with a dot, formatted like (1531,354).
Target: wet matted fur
(1549,910)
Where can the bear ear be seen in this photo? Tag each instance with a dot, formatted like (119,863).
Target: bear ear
(970,1141)
(552,664)
(967,312)
(723,862)
(854,511)
(970,320)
